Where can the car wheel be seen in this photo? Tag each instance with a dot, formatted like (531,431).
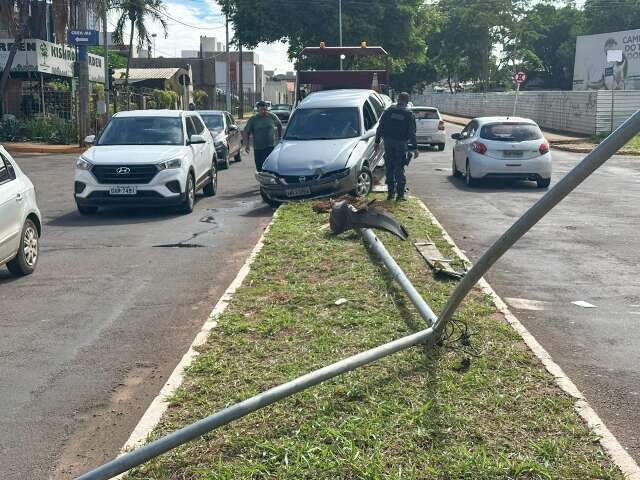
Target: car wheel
(543,182)
(84,210)
(454,168)
(440,147)
(468,179)
(364,183)
(224,164)
(268,200)
(211,188)
(190,196)
(26,259)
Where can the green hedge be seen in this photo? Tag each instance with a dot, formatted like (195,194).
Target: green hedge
(48,130)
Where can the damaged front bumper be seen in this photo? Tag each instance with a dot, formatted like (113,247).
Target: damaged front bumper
(287,188)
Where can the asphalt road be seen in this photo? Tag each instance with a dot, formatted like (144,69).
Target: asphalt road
(585,249)
(89,339)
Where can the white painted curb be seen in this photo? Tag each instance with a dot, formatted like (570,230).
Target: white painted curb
(618,454)
(159,405)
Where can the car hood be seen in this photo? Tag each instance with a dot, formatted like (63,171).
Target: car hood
(133,154)
(309,157)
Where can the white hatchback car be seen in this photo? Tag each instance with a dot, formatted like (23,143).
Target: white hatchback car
(430,128)
(20,220)
(502,147)
(147,158)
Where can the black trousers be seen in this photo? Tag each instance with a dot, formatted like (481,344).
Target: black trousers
(260,156)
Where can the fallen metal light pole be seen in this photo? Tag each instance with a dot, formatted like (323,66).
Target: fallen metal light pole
(564,187)
(378,248)
(188,433)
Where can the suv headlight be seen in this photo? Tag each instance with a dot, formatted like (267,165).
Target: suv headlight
(83,164)
(175,163)
(266,178)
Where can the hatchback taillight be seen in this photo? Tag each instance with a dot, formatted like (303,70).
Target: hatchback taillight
(544,148)
(479,147)
(441,125)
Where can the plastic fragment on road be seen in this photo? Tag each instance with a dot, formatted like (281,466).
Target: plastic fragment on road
(438,263)
(583,304)
(341,301)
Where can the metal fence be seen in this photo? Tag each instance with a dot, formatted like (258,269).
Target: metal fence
(584,112)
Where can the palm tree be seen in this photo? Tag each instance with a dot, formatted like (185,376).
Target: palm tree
(137,13)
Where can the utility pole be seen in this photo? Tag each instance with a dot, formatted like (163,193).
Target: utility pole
(340,27)
(228,88)
(240,81)
(83,77)
(107,79)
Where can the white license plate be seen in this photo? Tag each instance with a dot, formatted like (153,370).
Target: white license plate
(512,153)
(128,190)
(298,192)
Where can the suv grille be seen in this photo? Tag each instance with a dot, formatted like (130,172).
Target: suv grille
(136,173)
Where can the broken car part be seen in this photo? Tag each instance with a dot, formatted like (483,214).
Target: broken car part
(345,217)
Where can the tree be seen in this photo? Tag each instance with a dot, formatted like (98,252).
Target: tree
(200,98)
(19,29)
(602,17)
(404,39)
(137,13)
(548,42)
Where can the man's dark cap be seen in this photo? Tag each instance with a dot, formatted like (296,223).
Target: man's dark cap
(261,104)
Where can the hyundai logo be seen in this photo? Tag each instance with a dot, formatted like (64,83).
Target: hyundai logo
(123,171)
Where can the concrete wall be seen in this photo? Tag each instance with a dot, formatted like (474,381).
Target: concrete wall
(586,112)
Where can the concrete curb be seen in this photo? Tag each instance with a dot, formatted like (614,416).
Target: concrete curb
(609,442)
(159,405)
(570,148)
(34,148)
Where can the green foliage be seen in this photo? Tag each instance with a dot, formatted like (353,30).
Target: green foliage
(601,16)
(59,86)
(165,98)
(200,98)
(403,36)
(116,59)
(49,130)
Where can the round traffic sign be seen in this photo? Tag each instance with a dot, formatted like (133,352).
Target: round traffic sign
(519,77)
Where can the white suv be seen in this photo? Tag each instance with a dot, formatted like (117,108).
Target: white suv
(151,157)
(20,221)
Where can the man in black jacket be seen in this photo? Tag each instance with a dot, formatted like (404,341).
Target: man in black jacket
(398,129)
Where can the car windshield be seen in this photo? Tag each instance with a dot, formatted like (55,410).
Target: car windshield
(142,131)
(511,132)
(213,122)
(426,114)
(324,124)
(280,106)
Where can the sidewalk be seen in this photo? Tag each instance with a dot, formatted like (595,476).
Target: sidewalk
(33,147)
(553,137)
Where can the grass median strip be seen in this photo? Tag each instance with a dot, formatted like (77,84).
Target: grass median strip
(416,414)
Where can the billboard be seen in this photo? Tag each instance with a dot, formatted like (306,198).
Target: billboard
(608,61)
(46,57)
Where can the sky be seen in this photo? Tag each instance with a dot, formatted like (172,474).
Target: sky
(206,16)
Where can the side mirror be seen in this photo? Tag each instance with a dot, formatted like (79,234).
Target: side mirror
(369,134)
(195,139)
(456,136)
(233,128)
(90,139)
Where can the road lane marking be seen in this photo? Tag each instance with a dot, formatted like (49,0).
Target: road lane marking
(609,442)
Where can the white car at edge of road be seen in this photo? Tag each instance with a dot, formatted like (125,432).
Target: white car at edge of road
(430,129)
(502,147)
(147,158)
(20,219)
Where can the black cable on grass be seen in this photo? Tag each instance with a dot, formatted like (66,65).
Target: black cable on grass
(457,337)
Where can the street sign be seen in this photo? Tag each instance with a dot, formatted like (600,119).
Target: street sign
(519,77)
(84,37)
